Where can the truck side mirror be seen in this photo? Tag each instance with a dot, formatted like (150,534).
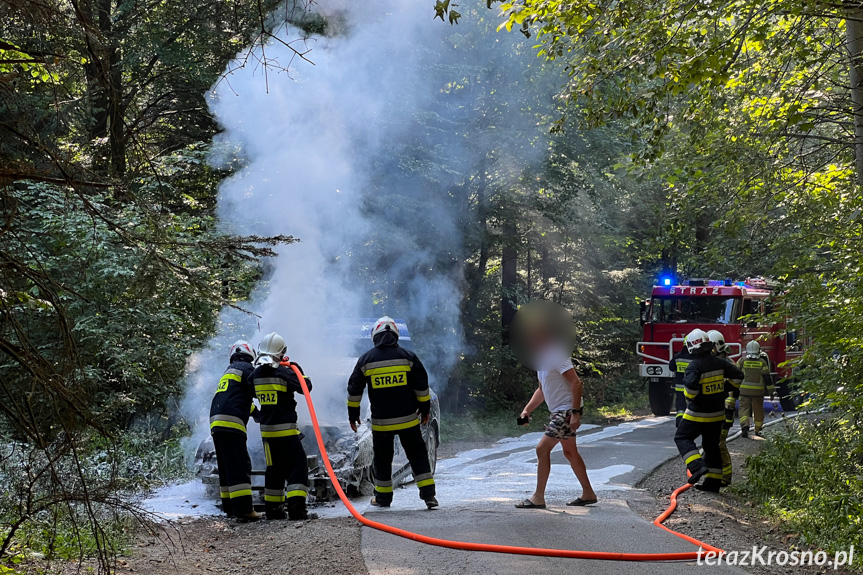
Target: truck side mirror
(643,307)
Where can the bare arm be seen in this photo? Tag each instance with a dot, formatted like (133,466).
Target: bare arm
(575,383)
(535,400)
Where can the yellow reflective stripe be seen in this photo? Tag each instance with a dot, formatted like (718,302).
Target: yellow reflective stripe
(425,482)
(704,419)
(271,387)
(392,369)
(714,476)
(353,403)
(240,493)
(232,377)
(396,426)
(267,456)
(230,424)
(692,458)
(689,395)
(282,433)
(296,493)
(711,379)
(383,489)
(423,398)
(274,498)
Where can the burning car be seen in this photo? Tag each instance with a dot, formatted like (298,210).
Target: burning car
(350,453)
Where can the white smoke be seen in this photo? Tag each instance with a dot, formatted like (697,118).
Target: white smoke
(339,154)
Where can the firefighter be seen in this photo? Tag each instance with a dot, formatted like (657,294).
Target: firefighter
(757,382)
(678,365)
(275,385)
(229,414)
(720,349)
(398,390)
(704,388)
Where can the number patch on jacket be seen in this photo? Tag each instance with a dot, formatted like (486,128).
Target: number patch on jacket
(268,397)
(224,383)
(752,364)
(389,380)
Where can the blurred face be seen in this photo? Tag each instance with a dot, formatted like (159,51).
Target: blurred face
(541,335)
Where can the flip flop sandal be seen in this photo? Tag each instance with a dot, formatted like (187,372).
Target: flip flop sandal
(579,502)
(528,504)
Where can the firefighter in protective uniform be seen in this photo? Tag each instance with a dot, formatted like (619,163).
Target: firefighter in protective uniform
(229,414)
(704,387)
(678,365)
(398,389)
(275,386)
(757,382)
(720,349)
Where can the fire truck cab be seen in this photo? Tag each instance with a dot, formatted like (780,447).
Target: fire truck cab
(676,309)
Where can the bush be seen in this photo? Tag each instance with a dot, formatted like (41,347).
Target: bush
(811,476)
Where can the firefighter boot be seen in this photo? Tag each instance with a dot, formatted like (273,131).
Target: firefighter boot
(744,432)
(697,473)
(297,509)
(431,502)
(275,512)
(711,485)
(249,517)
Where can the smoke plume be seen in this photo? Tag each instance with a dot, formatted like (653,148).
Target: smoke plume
(370,156)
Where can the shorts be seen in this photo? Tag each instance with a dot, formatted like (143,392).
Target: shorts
(558,427)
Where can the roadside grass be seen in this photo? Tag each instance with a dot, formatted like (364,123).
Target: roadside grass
(810,478)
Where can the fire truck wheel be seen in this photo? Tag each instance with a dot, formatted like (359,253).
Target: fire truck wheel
(661,396)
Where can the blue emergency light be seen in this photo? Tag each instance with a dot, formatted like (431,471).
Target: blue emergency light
(666,281)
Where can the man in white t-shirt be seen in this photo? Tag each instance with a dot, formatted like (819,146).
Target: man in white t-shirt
(560,388)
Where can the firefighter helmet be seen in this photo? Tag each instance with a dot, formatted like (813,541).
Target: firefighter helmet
(697,342)
(386,323)
(718,340)
(272,349)
(753,349)
(242,346)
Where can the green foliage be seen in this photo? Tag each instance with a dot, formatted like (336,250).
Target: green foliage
(135,291)
(819,491)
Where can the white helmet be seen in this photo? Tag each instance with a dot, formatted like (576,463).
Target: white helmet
(753,349)
(696,341)
(272,349)
(718,340)
(386,323)
(243,347)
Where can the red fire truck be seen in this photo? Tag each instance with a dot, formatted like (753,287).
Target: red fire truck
(676,309)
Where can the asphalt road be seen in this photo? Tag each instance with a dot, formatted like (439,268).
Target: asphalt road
(477,490)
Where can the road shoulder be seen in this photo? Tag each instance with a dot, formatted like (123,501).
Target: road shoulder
(727,520)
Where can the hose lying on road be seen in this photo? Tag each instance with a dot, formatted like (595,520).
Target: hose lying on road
(467,546)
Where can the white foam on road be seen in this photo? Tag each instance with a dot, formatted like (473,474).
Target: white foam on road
(187,499)
(501,474)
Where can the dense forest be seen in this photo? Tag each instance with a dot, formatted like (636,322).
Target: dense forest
(570,151)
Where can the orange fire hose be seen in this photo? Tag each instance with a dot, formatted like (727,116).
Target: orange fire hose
(467,546)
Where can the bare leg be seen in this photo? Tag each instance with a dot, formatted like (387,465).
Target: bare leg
(543,467)
(570,451)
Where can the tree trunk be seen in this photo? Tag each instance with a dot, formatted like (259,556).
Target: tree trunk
(508,278)
(116,112)
(702,232)
(854,39)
